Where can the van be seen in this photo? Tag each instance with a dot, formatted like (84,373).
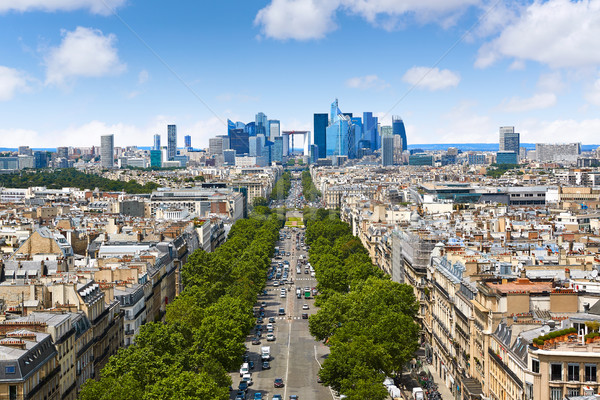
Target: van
(245,369)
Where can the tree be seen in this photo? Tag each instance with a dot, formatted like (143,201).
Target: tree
(260,201)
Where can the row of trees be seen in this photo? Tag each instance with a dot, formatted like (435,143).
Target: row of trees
(367,320)
(70,177)
(309,191)
(282,187)
(189,355)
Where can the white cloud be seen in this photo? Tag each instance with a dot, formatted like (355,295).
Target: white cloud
(559,33)
(367,82)
(569,130)
(536,102)
(431,78)
(463,125)
(94,6)
(551,82)
(143,77)
(11,81)
(592,94)
(84,52)
(313,19)
(88,134)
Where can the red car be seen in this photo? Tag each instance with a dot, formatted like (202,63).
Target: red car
(278,383)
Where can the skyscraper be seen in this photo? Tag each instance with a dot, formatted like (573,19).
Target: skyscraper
(107,151)
(261,124)
(370,131)
(274,129)
(320,132)
(387,150)
(278,149)
(187,140)
(509,139)
(171,142)
(238,141)
(398,129)
(156,158)
(156,142)
(340,136)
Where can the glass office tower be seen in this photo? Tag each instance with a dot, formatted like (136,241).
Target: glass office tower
(171,142)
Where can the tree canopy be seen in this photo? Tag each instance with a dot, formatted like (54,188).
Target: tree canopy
(282,187)
(202,338)
(367,320)
(309,191)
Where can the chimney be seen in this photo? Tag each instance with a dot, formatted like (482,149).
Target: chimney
(567,274)
(523,273)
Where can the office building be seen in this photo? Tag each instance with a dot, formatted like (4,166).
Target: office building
(62,152)
(398,129)
(398,146)
(387,150)
(340,133)
(187,141)
(156,142)
(320,123)
(277,153)
(370,131)
(509,139)
(420,159)
(261,124)
(477,159)
(507,157)
(313,153)
(229,156)
(238,141)
(558,151)
(107,151)
(249,128)
(171,142)
(25,151)
(41,159)
(217,144)
(274,129)
(155,158)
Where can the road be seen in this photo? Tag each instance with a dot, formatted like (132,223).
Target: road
(295,355)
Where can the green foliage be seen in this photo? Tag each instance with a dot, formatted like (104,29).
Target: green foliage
(309,191)
(368,320)
(70,177)
(497,170)
(260,201)
(282,187)
(188,356)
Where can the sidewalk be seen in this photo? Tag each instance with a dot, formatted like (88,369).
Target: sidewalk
(444,391)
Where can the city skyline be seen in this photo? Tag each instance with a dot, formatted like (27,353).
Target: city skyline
(133,79)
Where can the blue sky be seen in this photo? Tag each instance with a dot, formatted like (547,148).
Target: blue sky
(455,70)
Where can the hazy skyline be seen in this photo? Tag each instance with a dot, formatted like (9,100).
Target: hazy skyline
(72,70)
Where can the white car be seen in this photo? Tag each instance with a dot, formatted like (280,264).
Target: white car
(282,294)
(269,328)
(305,307)
(270,337)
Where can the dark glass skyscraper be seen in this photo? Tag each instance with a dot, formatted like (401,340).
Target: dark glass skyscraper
(171,142)
(370,131)
(156,142)
(238,141)
(261,124)
(320,132)
(187,140)
(398,129)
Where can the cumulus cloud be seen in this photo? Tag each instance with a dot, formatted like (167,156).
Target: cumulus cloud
(313,19)
(536,102)
(94,6)
(367,82)
(463,125)
(538,131)
(11,81)
(84,52)
(431,78)
(559,33)
(88,134)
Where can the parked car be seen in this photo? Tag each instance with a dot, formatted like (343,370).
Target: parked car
(270,337)
(278,383)
(304,316)
(266,365)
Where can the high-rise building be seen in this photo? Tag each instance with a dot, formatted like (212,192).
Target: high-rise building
(238,141)
(229,156)
(156,142)
(507,157)
(250,128)
(171,142)
(155,158)
(62,152)
(313,153)
(557,151)
(509,139)
(187,140)
(274,129)
(370,131)
(40,159)
(398,129)
(261,124)
(387,150)
(217,144)
(107,151)
(320,132)
(398,146)
(25,151)
(340,133)
(278,149)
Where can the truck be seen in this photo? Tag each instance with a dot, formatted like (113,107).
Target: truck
(418,394)
(307,294)
(265,353)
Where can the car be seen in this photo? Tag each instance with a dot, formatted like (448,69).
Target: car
(277,397)
(304,316)
(281,311)
(256,340)
(270,337)
(259,320)
(243,386)
(266,365)
(269,327)
(240,394)
(251,364)
(271,320)
(263,304)
(278,383)
(306,271)
(282,294)
(305,306)
(258,396)
(276,283)
(293,397)
(247,378)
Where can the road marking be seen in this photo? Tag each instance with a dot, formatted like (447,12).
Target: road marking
(320,366)
(287,365)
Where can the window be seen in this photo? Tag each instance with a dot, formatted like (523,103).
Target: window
(556,372)
(573,392)
(573,372)
(535,366)
(12,392)
(590,373)
(9,369)
(555,393)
